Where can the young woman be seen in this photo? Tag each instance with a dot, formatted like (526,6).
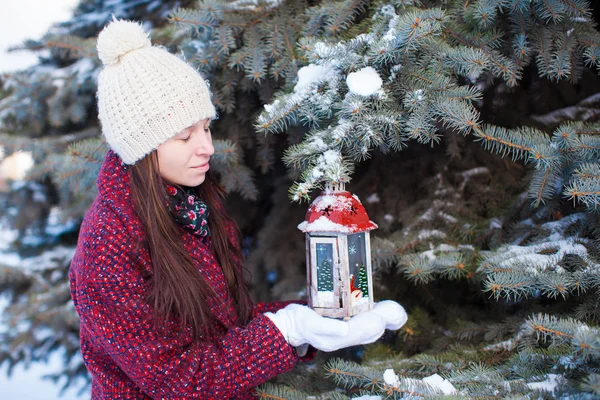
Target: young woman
(157,277)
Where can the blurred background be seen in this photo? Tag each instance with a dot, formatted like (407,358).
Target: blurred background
(468,129)
(22,20)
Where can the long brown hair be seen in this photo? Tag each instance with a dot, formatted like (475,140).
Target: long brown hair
(178,288)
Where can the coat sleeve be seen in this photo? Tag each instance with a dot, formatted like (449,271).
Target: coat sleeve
(274,306)
(165,363)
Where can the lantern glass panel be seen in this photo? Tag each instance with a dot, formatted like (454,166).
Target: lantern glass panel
(357,260)
(325,267)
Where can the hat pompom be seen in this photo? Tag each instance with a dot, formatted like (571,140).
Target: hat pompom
(120,37)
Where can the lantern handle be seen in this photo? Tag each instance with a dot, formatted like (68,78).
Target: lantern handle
(335,187)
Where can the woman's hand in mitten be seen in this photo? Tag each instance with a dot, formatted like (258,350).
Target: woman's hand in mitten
(393,313)
(368,326)
(301,325)
(363,328)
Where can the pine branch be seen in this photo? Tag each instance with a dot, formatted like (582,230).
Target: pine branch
(591,383)
(70,46)
(583,339)
(235,176)
(275,392)
(349,375)
(543,185)
(191,18)
(345,13)
(524,143)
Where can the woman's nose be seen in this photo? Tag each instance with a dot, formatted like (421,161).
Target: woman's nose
(204,145)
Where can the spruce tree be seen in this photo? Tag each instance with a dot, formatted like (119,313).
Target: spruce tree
(337,89)
(325,278)
(363,283)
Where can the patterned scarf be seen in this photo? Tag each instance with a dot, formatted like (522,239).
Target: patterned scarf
(189,211)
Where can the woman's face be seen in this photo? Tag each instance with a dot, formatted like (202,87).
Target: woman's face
(183,159)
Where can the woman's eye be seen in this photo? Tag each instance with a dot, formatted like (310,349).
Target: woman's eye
(187,138)
(207,129)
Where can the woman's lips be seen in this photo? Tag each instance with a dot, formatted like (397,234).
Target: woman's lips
(203,166)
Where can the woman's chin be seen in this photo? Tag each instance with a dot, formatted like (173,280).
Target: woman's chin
(196,181)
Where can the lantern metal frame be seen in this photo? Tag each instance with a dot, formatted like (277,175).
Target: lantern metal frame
(346,307)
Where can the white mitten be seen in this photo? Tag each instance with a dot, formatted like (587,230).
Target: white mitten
(392,312)
(369,326)
(363,328)
(301,325)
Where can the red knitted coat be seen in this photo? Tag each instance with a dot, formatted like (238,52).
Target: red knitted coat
(125,355)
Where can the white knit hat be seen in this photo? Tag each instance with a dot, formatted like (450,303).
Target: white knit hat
(145,94)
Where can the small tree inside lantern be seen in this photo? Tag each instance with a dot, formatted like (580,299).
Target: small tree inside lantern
(338,254)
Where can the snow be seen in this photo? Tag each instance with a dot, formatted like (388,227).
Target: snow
(317,145)
(341,130)
(495,223)
(387,10)
(365,39)
(7,236)
(82,69)
(373,198)
(365,82)
(388,217)
(46,260)
(435,381)
(468,174)
(315,174)
(332,53)
(359,301)
(549,385)
(446,247)
(429,254)
(528,257)
(324,298)
(322,224)
(507,345)
(390,378)
(9,259)
(438,382)
(449,218)
(270,107)
(393,71)
(311,74)
(252,4)
(427,215)
(428,233)
(330,164)
(28,383)
(331,157)
(55,227)
(367,397)
(418,95)
(391,33)
(475,171)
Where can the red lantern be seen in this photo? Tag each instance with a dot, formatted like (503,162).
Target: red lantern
(338,255)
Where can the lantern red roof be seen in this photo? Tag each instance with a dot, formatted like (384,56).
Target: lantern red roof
(337,211)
